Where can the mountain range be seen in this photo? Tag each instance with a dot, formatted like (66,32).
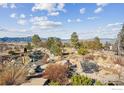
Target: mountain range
(29,39)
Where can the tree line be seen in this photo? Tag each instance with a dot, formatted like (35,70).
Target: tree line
(56,46)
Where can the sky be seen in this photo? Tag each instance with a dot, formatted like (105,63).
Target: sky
(61,20)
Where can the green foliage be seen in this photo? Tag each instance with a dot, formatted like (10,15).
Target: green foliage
(55,49)
(50,41)
(74,40)
(54,45)
(92,44)
(12,53)
(29,46)
(36,40)
(98,45)
(82,51)
(54,83)
(98,83)
(81,80)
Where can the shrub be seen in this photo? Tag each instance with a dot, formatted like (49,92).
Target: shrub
(98,83)
(54,83)
(118,60)
(36,40)
(13,74)
(11,53)
(82,51)
(56,73)
(54,45)
(56,50)
(89,57)
(29,46)
(103,57)
(111,84)
(81,80)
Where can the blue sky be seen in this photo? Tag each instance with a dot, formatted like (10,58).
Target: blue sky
(61,20)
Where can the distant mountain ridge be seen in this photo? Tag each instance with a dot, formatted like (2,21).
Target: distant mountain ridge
(16,39)
(29,39)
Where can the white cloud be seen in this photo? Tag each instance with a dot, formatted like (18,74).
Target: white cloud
(23,30)
(54,14)
(102,4)
(17,30)
(22,16)
(60,7)
(44,23)
(92,18)
(69,20)
(43,6)
(2,29)
(116,29)
(52,8)
(21,21)
(12,6)
(100,7)
(82,10)
(74,20)
(4,5)
(114,24)
(31,15)
(78,20)
(98,10)
(13,15)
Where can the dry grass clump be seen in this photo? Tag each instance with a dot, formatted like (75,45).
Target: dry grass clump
(89,57)
(118,60)
(57,73)
(104,57)
(13,74)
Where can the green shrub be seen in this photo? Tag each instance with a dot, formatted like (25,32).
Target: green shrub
(82,51)
(81,80)
(29,46)
(11,53)
(98,83)
(54,45)
(54,83)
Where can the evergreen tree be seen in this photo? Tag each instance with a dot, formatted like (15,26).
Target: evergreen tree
(54,45)
(98,44)
(36,40)
(29,47)
(74,40)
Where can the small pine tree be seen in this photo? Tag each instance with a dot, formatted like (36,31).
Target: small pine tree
(36,40)
(29,46)
(82,51)
(74,40)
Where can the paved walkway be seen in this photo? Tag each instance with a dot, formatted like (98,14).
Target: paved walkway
(36,81)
